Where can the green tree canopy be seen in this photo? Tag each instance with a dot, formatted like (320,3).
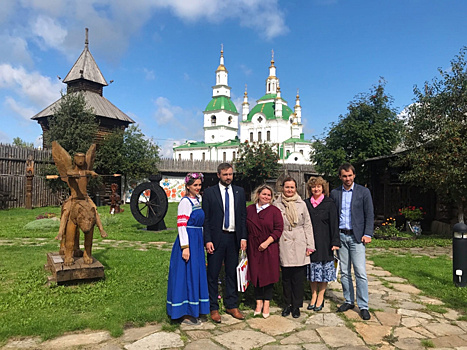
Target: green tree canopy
(73,124)
(18,141)
(436,135)
(256,162)
(128,153)
(369,129)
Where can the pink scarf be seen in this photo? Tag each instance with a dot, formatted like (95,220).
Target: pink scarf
(316,202)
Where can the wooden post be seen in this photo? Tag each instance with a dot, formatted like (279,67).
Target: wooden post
(29,177)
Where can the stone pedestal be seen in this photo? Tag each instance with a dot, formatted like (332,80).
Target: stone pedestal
(79,271)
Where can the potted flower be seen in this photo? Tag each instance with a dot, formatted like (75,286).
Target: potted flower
(413,215)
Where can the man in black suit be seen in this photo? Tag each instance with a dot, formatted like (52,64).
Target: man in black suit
(356,223)
(224,232)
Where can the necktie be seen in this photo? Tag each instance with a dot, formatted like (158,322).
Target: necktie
(227,209)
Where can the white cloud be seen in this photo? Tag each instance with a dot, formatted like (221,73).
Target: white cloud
(14,49)
(36,88)
(165,111)
(25,112)
(149,74)
(52,34)
(246,70)
(166,147)
(4,138)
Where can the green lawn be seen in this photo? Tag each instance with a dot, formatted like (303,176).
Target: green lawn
(134,289)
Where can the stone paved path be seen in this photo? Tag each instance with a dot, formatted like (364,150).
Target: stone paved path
(400,320)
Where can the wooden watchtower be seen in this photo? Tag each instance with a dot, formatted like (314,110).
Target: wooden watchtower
(85,77)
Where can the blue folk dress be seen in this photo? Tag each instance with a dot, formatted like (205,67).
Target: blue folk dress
(187,290)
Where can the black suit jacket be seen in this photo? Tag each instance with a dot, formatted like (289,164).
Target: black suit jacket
(361,210)
(214,214)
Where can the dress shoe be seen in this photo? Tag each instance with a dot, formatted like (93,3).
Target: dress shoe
(364,314)
(235,313)
(265,315)
(319,308)
(215,316)
(296,312)
(256,313)
(311,306)
(345,307)
(286,311)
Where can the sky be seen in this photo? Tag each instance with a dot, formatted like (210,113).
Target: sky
(162,55)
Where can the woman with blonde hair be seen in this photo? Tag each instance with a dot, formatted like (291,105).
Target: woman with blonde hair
(264,225)
(323,213)
(296,245)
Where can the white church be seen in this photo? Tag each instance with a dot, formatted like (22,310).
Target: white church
(271,120)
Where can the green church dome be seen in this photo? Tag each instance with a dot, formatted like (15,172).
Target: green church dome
(268,110)
(221,102)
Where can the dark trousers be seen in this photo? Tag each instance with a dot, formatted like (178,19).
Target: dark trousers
(292,284)
(226,252)
(264,292)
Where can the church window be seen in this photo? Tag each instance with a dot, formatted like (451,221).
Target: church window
(260,119)
(191,156)
(204,156)
(230,120)
(288,153)
(269,86)
(213,120)
(291,120)
(268,135)
(233,155)
(301,151)
(212,137)
(251,137)
(179,156)
(259,136)
(224,156)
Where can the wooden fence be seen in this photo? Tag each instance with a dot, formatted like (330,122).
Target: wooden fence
(13,177)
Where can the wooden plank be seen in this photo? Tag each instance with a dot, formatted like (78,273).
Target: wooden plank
(77,272)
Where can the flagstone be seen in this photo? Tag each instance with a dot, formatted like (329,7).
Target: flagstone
(203,344)
(308,336)
(441,329)
(449,341)
(394,279)
(407,288)
(451,315)
(315,347)
(372,334)
(401,332)
(413,313)
(398,296)
(388,318)
(411,305)
(429,301)
(28,343)
(282,347)
(423,331)
(413,321)
(325,319)
(133,334)
(409,344)
(243,339)
(379,273)
(160,340)
(77,339)
(274,325)
(339,336)
(197,335)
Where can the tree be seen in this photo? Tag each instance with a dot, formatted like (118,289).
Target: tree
(256,162)
(436,135)
(369,129)
(128,153)
(17,141)
(73,124)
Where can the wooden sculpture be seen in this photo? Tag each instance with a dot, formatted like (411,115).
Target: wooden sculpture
(78,210)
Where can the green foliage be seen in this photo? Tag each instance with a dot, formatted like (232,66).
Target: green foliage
(388,230)
(17,141)
(436,134)
(44,224)
(73,125)
(256,162)
(433,275)
(129,153)
(369,129)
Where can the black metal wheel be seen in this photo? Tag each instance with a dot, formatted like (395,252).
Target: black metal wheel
(149,203)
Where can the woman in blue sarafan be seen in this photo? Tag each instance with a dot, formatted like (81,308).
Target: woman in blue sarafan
(187,290)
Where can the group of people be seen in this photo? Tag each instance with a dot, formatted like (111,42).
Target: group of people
(280,233)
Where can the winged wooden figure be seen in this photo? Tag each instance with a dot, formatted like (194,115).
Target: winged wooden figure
(78,210)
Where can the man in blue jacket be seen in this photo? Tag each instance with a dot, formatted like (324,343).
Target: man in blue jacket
(356,223)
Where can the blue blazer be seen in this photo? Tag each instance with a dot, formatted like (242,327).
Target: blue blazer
(361,210)
(214,214)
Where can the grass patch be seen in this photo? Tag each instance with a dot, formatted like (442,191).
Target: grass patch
(431,275)
(437,308)
(427,343)
(417,242)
